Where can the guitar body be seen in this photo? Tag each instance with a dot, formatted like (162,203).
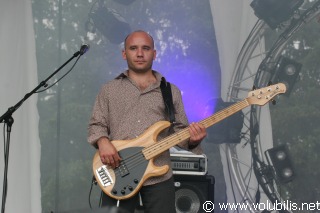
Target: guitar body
(125,181)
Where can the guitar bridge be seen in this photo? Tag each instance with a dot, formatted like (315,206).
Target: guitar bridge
(104,176)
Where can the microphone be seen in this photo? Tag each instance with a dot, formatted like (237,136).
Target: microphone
(84,48)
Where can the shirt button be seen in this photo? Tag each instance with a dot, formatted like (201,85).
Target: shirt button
(139,121)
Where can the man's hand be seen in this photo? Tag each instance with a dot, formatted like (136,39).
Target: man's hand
(108,153)
(197,134)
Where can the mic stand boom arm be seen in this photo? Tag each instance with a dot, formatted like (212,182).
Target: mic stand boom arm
(7,119)
(12,109)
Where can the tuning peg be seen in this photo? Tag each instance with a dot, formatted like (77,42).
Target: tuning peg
(273,102)
(254,87)
(269,83)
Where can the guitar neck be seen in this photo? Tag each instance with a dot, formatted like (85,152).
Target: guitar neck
(176,138)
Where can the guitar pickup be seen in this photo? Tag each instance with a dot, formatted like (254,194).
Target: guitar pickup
(123,169)
(104,176)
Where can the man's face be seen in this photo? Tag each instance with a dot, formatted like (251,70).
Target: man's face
(139,52)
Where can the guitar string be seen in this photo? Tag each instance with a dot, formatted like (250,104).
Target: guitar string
(153,150)
(138,159)
(184,134)
(133,160)
(166,143)
(206,122)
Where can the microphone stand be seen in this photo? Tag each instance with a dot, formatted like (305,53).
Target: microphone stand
(7,119)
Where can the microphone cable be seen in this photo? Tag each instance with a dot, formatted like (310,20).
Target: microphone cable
(46,86)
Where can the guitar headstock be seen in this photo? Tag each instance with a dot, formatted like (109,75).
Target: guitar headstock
(264,95)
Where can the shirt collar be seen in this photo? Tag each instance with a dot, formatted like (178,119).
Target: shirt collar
(125,75)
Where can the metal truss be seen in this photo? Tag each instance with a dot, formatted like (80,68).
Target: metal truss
(245,77)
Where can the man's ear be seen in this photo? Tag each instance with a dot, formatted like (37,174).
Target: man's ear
(124,55)
(154,54)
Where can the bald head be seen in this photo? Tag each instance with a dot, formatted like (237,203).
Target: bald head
(136,33)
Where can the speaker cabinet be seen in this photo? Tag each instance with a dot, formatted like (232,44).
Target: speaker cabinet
(192,191)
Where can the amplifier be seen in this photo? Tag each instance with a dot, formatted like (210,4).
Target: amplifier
(189,164)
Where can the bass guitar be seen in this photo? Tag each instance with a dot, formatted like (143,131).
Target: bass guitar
(138,154)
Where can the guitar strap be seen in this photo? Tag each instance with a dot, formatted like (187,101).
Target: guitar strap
(167,98)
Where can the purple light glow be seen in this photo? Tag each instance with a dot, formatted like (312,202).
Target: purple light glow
(200,87)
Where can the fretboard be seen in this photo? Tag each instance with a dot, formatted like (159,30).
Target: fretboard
(182,135)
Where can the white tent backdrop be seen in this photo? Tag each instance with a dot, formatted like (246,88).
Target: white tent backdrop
(233,21)
(18,77)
